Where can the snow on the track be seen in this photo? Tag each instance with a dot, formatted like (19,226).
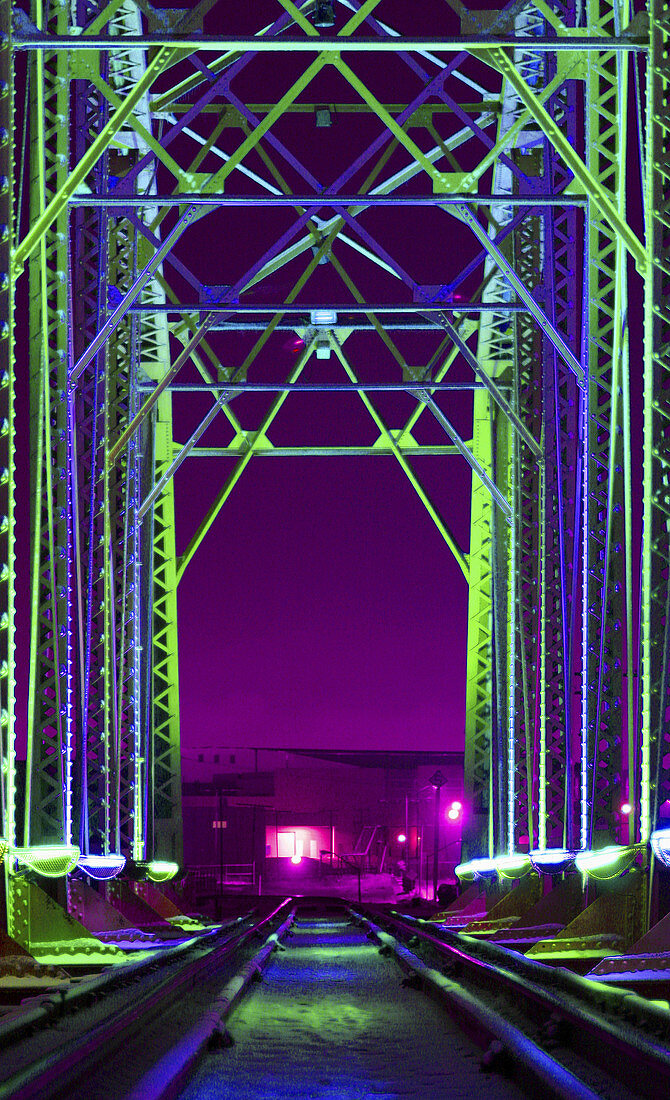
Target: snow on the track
(332,1021)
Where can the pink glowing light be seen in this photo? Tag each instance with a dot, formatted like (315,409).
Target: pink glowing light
(296,859)
(401,838)
(626,808)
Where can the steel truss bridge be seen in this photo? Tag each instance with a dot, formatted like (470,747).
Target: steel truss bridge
(533,142)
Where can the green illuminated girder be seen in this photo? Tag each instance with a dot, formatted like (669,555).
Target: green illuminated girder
(164,831)
(654,761)
(537,756)
(89,275)
(498,741)
(48,812)
(157,823)
(529,688)
(105,561)
(489,591)
(486,717)
(117,559)
(539,684)
(608,565)
(146,630)
(7,560)
(561,617)
(479,702)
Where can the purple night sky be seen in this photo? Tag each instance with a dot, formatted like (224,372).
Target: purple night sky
(324,609)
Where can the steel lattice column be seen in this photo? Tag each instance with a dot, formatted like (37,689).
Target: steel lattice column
(654,759)
(48,816)
(7,564)
(90,289)
(608,596)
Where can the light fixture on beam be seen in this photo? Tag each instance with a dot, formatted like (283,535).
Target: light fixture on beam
(476,869)
(465,871)
(609,862)
(323,318)
(101,868)
(161,870)
(48,860)
(552,861)
(513,866)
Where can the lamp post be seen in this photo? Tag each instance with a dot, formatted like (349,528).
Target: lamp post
(437,780)
(221,842)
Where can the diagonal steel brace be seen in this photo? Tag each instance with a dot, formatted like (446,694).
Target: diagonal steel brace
(467,454)
(185,451)
(496,393)
(466,215)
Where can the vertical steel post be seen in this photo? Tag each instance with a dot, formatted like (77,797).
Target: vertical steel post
(436,840)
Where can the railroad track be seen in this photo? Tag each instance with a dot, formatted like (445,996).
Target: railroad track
(536,1030)
(556,1033)
(98,1038)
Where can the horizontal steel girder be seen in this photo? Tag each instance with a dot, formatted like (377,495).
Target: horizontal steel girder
(292,44)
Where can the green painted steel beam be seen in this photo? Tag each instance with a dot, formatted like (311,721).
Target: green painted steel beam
(8,769)
(465,452)
(567,41)
(654,747)
(165,831)
(609,498)
(264,450)
(48,809)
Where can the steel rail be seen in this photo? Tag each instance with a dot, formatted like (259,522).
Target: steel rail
(27,1018)
(547,1074)
(166,1079)
(579,1004)
(57,1070)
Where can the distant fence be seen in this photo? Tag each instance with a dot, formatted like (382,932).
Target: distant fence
(214,878)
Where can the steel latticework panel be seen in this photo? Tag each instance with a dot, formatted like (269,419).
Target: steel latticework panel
(519,157)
